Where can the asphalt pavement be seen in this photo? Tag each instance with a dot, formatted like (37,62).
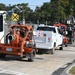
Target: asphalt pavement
(44,64)
(63,70)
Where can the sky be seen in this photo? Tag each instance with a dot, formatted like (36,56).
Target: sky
(32,3)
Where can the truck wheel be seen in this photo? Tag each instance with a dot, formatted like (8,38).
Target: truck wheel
(52,50)
(2,55)
(73,40)
(32,55)
(61,48)
(66,45)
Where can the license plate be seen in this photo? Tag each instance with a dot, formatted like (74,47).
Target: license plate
(8,49)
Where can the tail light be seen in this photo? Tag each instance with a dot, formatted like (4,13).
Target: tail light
(44,35)
(39,34)
(49,39)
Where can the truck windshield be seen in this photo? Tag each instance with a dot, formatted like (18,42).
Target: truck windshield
(46,29)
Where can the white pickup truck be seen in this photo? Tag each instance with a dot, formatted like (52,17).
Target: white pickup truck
(48,38)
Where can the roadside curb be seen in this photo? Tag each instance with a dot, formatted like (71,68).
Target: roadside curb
(70,68)
(66,71)
(63,70)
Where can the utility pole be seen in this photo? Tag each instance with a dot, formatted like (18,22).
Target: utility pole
(23,18)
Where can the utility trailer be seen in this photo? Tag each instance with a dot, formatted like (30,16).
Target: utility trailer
(19,41)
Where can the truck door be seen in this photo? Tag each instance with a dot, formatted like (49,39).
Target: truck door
(59,37)
(2,25)
(1,28)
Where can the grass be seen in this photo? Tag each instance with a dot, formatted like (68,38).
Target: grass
(72,70)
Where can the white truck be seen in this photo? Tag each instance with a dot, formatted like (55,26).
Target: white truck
(2,25)
(48,38)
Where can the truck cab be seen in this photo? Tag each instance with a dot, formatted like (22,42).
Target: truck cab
(63,31)
(2,24)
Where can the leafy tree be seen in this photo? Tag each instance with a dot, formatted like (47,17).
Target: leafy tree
(50,12)
(43,13)
(2,6)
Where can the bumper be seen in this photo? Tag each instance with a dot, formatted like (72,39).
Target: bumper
(11,50)
(43,46)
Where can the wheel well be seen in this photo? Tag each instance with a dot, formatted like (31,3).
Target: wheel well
(54,44)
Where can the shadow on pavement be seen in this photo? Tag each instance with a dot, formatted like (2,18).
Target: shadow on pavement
(62,68)
(17,58)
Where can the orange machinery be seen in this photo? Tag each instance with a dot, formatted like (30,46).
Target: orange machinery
(19,42)
(63,28)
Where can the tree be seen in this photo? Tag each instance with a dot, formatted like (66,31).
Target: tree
(2,6)
(50,12)
(43,13)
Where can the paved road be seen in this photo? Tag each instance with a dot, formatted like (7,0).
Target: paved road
(44,64)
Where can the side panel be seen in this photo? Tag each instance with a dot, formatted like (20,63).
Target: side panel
(2,25)
(59,38)
(44,39)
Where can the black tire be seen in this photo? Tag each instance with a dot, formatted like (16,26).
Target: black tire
(2,55)
(52,50)
(32,55)
(73,40)
(66,45)
(61,48)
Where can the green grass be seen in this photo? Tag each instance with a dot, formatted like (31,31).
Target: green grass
(72,70)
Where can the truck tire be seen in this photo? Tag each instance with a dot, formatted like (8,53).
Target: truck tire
(32,55)
(52,50)
(2,55)
(61,48)
(66,45)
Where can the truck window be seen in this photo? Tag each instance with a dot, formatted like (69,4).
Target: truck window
(59,31)
(47,29)
(1,23)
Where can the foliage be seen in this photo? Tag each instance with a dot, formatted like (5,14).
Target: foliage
(2,6)
(72,70)
(50,12)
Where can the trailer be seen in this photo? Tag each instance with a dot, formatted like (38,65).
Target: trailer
(19,41)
